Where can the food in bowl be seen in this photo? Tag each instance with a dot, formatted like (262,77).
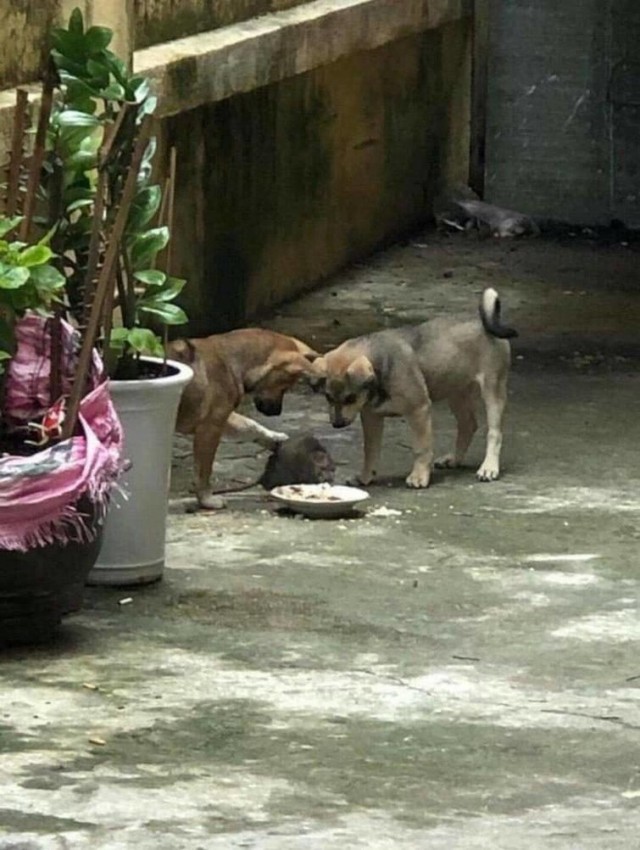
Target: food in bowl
(319,499)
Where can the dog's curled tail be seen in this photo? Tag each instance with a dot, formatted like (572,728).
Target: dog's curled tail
(490,316)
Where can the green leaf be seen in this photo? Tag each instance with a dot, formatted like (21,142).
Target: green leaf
(145,247)
(150,151)
(76,24)
(148,107)
(142,90)
(62,62)
(142,340)
(97,39)
(82,160)
(99,71)
(118,337)
(77,89)
(4,355)
(117,68)
(152,277)
(35,255)
(75,118)
(71,45)
(169,314)
(114,91)
(173,288)
(9,224)
(13,277)
(144,207)
(47,279)
(81,202)
(48,235)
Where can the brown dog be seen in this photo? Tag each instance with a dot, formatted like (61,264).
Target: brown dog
(227,367)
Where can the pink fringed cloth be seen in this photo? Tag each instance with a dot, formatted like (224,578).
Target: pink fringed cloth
(39,494)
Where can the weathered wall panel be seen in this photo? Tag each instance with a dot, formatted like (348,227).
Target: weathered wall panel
(564,109)
(280,187)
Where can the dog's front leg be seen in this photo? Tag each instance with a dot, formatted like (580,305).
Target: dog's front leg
(419,421)
(244,428)
(372,430)
(206,440)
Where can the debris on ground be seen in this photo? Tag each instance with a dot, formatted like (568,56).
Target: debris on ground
(384,511)
(460,208)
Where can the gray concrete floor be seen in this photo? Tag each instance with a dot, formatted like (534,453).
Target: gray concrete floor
(462,673)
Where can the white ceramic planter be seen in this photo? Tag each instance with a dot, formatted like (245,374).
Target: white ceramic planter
(133,549)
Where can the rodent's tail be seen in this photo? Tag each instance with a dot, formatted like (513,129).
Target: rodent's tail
(490,316)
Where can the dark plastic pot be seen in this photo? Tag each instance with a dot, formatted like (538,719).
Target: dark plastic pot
(39,587)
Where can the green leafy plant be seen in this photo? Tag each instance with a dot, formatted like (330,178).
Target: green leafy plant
(29,280)
(101,104)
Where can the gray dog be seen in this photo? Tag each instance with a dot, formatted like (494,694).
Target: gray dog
(401,372)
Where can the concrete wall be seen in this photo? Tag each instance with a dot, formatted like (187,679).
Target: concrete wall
(564,109)
(22,46)
(281,186)
(306,138)
(162,20)
(24,25)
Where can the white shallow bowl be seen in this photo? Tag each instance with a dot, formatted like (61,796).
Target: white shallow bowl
(322,501)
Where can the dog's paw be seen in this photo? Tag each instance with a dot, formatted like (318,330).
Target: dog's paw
(488,472)
(272,439)
(360,480)
(277,437)
(446,462)
(210,502)
(418,479)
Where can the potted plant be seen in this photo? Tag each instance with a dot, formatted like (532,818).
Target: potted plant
(101,155)
(53,492)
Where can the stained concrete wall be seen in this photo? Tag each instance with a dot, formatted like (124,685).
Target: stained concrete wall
(281,186)
(23,45)
(25,25)
(305,138)
(162,20)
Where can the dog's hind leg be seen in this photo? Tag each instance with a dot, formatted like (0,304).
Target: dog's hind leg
(372,430)
(422,443)
(494,394)
(245,428)
(462,407)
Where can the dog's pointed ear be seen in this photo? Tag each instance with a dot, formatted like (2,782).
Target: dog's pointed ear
(317,378)
(361,371)
(295,364)
(182,350)
(254,376)
(290,363)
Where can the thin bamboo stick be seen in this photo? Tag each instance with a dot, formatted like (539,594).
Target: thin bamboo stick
(105,280)
(39,146)
(16,160)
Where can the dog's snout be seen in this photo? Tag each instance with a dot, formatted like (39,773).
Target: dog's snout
(339,422)
(269,407)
